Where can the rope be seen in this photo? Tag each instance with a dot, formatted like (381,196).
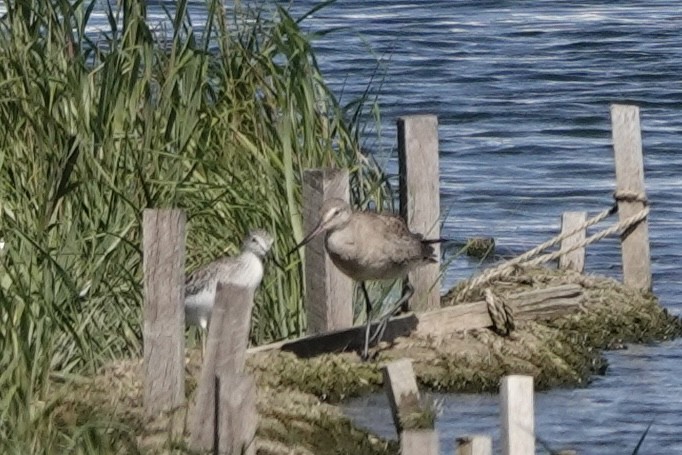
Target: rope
(507,268)
(500,313)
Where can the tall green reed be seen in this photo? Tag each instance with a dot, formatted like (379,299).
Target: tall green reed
(219,120)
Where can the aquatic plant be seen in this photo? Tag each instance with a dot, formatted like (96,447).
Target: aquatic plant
(218,119)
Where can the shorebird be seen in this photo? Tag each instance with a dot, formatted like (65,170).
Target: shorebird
(371,246)
(246,270)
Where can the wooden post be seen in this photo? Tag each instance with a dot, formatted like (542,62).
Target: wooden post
(163,331)
(237,416)
(400,385)
(475,445)
(420,198)
(225,360)
(575,260)
(518,427)
(328,292)
(419,442)
(627,146)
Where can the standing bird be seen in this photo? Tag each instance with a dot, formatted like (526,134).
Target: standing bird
(245,270)
(371,246)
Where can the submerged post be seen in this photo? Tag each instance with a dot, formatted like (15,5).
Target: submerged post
(163,331)
(575,260)
(475,445)
(210,426)
(631,195)
(328,292)
(420,198)
(518,419)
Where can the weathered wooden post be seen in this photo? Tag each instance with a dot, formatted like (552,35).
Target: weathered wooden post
(475,445)
(401,388)
(163,331)
(420,198)
(518,419)
(328,293)
(631,194)
(223,416)
(419,442)
(575,260)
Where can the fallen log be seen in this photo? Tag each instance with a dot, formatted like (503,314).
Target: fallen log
(530,305)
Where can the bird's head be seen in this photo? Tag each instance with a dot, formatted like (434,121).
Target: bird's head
(258,241)
(334,214)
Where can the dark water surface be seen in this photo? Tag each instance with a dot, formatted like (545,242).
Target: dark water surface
(522,91)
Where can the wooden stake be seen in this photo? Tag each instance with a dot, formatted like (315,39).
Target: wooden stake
(419,442)
(627,146)
(163,331)
(475,445)
(225,359)
(518,427)
(237,416)
(328,293)
(575,260)
(420,198)
(400,385)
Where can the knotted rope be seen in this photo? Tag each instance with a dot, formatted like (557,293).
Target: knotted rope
(500,312)
(507,268)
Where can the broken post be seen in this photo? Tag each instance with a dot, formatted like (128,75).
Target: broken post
(221,373)
(518,424)
(328,292)
(631,195)
(475,445)
(163,331)
(420,198)
(400,385)
(575,260)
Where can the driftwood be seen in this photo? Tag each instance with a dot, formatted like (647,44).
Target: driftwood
(536,304)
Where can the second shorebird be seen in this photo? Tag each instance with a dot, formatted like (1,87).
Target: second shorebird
(370,246)
(244,270)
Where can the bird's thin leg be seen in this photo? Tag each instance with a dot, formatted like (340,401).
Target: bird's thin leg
(379,332)
(368,311)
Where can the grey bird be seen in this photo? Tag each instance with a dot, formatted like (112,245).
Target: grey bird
(371,246)
(245,270)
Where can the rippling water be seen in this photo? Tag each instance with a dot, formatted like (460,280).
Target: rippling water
(522,91)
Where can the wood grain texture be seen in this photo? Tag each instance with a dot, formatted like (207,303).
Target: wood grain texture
(163,331)
(228,337)
(474,445)
(518,415)
(536,304)
(237,416)
(627,147)
(575,260)
(328,293)
(400,385)
(419,442)
(420,198)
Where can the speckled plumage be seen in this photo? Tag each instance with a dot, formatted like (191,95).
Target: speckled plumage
(246,270)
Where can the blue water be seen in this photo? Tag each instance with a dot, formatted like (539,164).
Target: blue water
(522,91)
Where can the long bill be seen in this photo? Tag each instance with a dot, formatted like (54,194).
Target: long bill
(314,233)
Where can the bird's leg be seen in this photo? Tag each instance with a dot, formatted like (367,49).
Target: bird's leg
(368,311)
(379,332)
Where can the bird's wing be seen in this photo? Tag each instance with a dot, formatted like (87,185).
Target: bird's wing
(390,235)
(196,281)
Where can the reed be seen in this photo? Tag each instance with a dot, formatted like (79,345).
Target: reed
(219,120)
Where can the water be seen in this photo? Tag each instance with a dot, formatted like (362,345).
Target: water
(522,92)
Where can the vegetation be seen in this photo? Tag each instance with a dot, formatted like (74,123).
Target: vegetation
(219,120)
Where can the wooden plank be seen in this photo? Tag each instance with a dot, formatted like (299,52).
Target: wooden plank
(420,198)
(517,413)
(575,260)
(328,292)
(539,303)
(400,385)
(225,357)
(475,445)
(163,331)
(419,442)
(627,146)
(237,415)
